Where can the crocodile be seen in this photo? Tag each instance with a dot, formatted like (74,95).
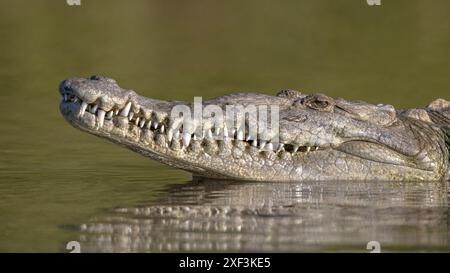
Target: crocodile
(319,137)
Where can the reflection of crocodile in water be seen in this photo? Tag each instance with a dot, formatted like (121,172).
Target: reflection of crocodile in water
(278,216)
(320,138)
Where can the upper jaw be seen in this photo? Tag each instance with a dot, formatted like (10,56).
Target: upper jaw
(104,98)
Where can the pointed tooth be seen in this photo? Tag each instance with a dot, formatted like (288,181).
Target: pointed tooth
(308,149)
(170,134)
(75,99)
(94,109)
(315,148)
(217,132)
(148,124)
(262,143)
(130,116)
(186,139)
(141,123)
(240,135)
(176,135)
(65,97)
(126,110)
(116,112)
(84,105)
(162,129)
(209,134)
(269,146)
(275,146)
(194,137)
(136,122)
(155,125)
(109,114)
(101,117)
(295,148)
(280,147)
(225,132)
(254,143)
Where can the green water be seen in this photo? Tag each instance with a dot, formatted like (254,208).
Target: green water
(54,179)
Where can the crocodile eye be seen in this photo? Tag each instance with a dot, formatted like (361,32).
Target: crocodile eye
(319,102)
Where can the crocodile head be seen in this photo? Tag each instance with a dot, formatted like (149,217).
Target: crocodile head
(319,138)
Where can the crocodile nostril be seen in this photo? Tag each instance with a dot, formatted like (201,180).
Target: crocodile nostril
(64,86)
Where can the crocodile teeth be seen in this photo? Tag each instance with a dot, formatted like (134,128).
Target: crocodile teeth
(269,146)
(162,129)
(225,131)
(109,114)
(176,135)
(126,110)
(94,109)
(84,105)
(149,124)
(101,117)
(308,149)
(170,135)
(209,134)
(141,124)
(155,125)
(240,135)
(262,144)
(255,143)
(130,117)
(136,122)
(217,131)
(186,139)
(295,148)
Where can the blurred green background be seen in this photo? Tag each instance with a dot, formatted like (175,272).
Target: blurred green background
(52,175)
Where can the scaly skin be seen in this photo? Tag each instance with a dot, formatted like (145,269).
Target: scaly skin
(324,138)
